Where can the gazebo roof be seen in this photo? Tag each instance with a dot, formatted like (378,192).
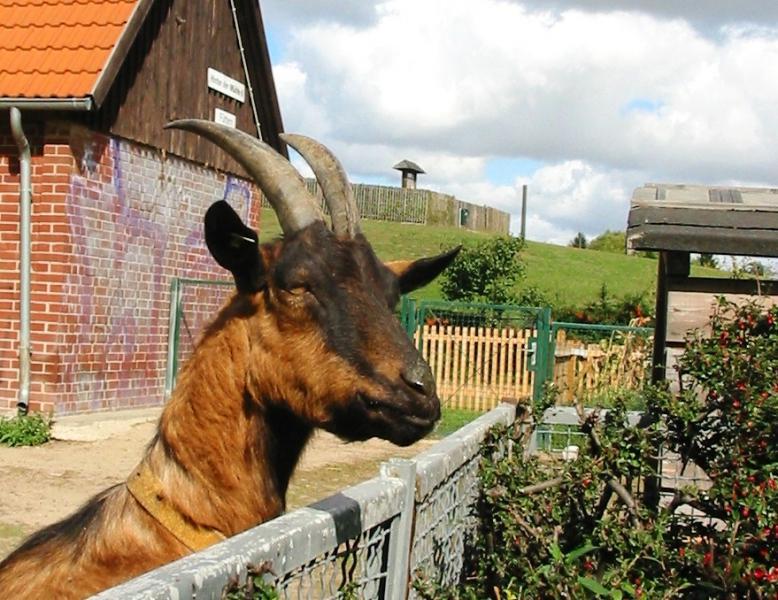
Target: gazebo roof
(694,218)
(407,165)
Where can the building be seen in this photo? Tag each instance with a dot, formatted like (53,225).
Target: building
(116,201)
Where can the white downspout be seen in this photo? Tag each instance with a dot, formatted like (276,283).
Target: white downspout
(25,220)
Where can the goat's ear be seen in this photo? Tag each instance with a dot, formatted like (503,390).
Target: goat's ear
(234,246)
(413,274)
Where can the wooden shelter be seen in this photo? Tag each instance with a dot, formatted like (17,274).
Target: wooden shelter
(678,220)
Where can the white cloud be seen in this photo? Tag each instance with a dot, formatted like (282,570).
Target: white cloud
(707,15)
(600,97)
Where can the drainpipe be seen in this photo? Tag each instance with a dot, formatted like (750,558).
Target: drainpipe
(25,201)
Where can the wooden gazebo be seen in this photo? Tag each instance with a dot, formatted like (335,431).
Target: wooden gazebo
(678,220)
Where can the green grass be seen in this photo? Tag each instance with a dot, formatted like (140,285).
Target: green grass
(574,277)
(453,419)
(567,276)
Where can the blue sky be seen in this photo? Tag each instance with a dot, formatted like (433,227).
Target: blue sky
(581,100)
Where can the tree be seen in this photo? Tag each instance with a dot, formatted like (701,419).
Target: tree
(485,272)
(756,269)
(707,260)
(610,241)
(579,241)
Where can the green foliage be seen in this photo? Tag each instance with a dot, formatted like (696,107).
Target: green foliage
(25,430)
(707,260)
(582,529)
(485,272)
(609,309)
(726,421)
(615,242)
(610,241)
(579,241)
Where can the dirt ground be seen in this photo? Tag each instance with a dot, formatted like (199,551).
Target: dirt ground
(41,485)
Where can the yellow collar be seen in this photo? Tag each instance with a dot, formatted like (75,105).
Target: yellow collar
(147,490)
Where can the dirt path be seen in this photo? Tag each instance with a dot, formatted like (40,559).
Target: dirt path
(40,485)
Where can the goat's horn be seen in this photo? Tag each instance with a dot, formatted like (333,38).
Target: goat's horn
(333,181)
(276,177)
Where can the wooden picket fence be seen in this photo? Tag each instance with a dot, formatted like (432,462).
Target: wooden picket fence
(582,370)
(476,367)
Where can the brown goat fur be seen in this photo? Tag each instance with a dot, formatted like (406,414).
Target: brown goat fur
(309,340)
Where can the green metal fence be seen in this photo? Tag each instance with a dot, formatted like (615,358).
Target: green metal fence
(493,350)
(193,304)
(592,362)
(485,352)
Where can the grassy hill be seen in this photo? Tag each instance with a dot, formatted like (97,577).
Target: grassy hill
(568,276)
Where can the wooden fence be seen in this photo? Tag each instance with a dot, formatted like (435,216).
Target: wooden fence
(582,370)
(475,367)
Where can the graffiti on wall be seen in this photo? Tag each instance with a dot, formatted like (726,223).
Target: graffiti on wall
(135,221)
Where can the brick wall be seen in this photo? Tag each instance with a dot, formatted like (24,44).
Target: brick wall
(113,223)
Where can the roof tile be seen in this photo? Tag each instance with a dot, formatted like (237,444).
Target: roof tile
(57,48)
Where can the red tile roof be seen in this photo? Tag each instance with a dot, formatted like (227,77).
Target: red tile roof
(57,48)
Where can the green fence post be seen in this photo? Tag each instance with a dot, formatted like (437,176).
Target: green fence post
(174,318)
(543,338)
(408,315)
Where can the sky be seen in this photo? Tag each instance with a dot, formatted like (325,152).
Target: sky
(580,100)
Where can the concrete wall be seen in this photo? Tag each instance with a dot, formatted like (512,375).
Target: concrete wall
(113,223)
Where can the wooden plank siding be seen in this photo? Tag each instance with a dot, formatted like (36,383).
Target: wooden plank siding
(164,77)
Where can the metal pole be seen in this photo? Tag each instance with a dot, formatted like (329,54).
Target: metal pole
(25,220)
(524,212)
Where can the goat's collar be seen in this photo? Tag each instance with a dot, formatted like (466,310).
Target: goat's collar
(146,488)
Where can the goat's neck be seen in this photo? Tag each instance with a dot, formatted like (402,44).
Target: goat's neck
(225,455)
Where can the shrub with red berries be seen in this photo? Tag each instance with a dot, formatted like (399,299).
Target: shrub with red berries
(584,529)
(726,421)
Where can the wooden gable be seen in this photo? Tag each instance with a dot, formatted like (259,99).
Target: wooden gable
(205,59)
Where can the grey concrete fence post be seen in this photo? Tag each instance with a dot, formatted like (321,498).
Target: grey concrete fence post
(402,528)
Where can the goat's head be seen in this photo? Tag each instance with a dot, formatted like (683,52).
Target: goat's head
(321,300)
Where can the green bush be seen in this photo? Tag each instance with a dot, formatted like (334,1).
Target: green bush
(487,271)
(589,529)
(25,430)
(609,309)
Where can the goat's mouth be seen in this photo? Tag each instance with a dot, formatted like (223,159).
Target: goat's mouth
(402,420)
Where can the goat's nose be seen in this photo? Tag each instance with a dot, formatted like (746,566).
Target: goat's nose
(419,378)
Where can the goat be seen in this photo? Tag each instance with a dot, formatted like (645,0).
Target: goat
(308,340)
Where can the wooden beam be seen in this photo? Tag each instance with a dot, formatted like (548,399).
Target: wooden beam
(678,264)
(716,215)
(711,240)
(714,285)
(660,320)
